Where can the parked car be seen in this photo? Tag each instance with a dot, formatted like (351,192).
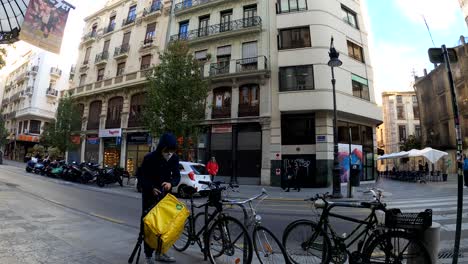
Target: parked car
(190,174)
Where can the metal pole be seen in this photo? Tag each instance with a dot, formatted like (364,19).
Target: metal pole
(336,164)
(456,116)
(350,188)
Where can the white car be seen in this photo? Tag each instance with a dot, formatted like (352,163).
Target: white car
(190,175)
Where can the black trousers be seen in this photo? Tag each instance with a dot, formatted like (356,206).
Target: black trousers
(465,176)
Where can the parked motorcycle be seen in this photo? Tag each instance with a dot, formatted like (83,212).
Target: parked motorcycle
(56,169)
(30,165)
(39,167)
(72,172)
(109,175)
(90,172)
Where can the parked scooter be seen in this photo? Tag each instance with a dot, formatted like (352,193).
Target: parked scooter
(30,164)
(56,169)
(39,167)
(109,176)
(90,172)
(72,172)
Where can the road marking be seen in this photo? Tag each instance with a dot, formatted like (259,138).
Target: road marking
(426,200)
(107,218)
(427,205)
(451,228)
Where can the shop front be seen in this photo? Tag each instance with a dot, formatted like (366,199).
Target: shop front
(112,142)
(22,144)
(138,145)
(74,153)
(92,148)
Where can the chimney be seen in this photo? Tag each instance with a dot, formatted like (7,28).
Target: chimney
(425,72)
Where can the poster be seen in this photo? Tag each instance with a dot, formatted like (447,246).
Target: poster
(44,24)
(343,158)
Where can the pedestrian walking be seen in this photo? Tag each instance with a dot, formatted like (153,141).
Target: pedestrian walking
(158,173)
(465,170)
(212,168)
(426,168)
(289,177)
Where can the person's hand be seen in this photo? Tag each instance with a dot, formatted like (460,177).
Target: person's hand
(156,192)
(167,186)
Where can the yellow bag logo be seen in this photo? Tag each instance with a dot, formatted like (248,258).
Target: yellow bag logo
(179,207)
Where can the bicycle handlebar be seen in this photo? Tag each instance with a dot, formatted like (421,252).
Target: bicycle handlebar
(264,193)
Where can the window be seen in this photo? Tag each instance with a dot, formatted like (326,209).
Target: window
(94,115)
(293,38)
(417,131)
(106,46)
(360,87)
(20,129)
(349,17)
(222,98)
(87,54)
(131,14)
(415,99)
(355,51)
(298,129)
(250,12)
(93,30)
(399,99)
(400,113)
(136,106)
(150,32)
(402,133)
(114,111)
(111,25)
(416,111)
(126,38)
(35,127)
(223,60)
(203,24)
(120,69)
(183,30)
(145,62)
(100,74)
(286,6)
(201,55)
(82,79)
(225,24)
(296,78)
(249,94)
(249,50)
(443,105)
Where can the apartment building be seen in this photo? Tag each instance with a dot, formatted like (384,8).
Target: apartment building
(30,98)
(464,7)
(119,45)
(302,98)
(401,119)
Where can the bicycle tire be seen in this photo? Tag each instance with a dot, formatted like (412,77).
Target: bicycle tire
(372,254)
(226,250)
(298,257)
(277,252)
(184,240)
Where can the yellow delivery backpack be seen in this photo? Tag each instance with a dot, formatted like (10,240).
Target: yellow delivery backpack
(164,224)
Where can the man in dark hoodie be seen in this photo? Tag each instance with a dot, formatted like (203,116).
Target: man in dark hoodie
(158,173)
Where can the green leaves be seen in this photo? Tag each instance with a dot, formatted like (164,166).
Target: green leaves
(177,94)
(3,133)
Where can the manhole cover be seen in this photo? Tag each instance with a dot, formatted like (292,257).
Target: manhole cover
(448,254)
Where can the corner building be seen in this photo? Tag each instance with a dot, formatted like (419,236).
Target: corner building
(119,45)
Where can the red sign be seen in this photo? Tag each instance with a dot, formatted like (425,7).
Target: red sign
(76,140)
(27,138)
(219,129)
(278,172)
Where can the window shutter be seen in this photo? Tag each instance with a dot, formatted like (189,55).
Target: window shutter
(223,51)
(249,50)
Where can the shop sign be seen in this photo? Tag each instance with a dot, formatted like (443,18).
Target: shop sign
(76,140)
(27,138)
(138,139)
(219,129)
(118,140)
(321,138)
(114,132)
(92,140)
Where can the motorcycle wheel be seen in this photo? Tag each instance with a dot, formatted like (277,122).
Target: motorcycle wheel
(119,179)
(100,182)
(28,169)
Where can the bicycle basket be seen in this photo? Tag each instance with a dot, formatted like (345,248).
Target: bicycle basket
(394,218)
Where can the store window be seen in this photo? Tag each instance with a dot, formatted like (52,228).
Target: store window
(298,129)
(111,152)
(136,106)
(114,111)
(94,115)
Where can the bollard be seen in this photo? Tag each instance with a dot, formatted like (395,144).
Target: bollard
(430,238)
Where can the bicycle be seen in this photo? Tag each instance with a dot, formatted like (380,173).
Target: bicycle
(220,235)
(267,246)
(310,242)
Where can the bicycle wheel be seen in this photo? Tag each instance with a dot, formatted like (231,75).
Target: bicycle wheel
(229,242)
(267,247)
(396,247)
(184,240)
(305,243)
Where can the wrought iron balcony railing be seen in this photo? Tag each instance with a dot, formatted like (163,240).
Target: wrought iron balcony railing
(121,50)
(109,28)
(186,4)
(129,20)
(248,110)
(156,6)
(221,112)
(234,25)
(55,71)
(102,57)
(90,36)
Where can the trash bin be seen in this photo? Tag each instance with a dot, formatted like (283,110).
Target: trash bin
(354,176)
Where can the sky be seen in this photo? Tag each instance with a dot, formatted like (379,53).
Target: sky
(398,36)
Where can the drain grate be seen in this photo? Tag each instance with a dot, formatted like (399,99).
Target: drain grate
(448,254)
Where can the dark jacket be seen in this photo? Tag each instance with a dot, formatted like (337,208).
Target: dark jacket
(155,170)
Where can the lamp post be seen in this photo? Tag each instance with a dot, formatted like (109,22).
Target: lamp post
(335,62)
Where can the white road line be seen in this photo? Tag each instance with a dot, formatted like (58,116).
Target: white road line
(451,228)
(427,200)
(426,205)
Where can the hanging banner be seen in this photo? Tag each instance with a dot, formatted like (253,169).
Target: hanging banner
(44,24)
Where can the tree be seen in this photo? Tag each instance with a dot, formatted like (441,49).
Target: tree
(67,121)
(412,142)
(177,95)
(3,133)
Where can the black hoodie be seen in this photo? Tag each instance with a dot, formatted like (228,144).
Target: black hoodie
(155,170)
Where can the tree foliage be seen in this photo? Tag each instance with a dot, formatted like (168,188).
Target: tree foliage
(3,133)
(67,121)
(412,142)
(177,95)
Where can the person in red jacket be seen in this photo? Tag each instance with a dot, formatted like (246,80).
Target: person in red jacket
(212,167)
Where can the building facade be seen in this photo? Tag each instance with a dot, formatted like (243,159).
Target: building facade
(302,97)
(401,120)
(464,7)
(119,45)
(30,98)
(433,92)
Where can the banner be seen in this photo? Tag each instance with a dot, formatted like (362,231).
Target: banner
(114,132)
(44,24)
(343,158)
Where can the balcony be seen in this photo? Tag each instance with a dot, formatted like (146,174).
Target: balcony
(121,52)
(221,31)
(101,58)
(88,38)
(72,73)
(52,93)
(5,102)
(247,67)
(113,123)
(153,11)
(34,69)
(11,115)
(15,97)
(186,6)
(148,44)
(23,76)
(129,21)
(108,29)
(221,112)
(29,90)
(55,72)
(248,110)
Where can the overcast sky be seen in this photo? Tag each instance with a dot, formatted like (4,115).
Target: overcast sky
(398,36)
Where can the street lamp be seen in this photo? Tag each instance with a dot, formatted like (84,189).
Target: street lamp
(335,62)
